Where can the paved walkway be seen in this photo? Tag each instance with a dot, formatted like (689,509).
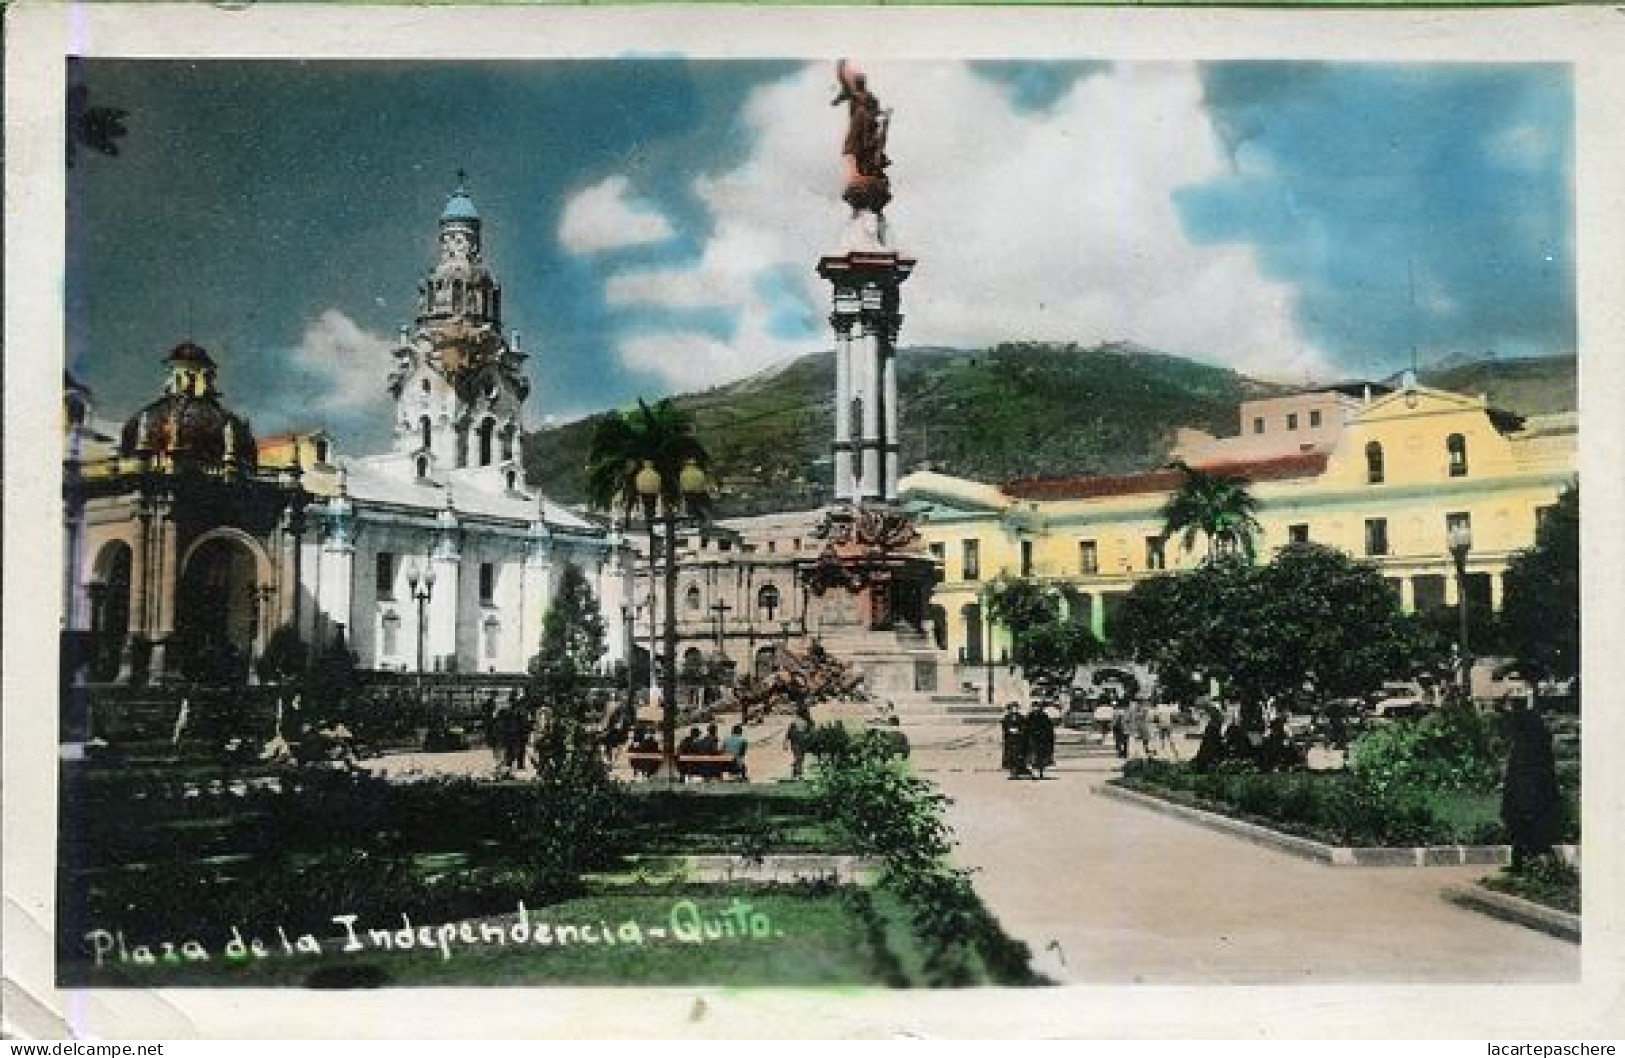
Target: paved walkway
(1104,892)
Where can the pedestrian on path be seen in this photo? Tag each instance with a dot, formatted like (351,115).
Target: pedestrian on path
(1120,732)
(1140,723)
(1040,740)
(795,738)
(1013,732)
(1164,714)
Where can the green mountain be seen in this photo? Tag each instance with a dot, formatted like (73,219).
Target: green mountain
(1535,385)
(1016,410)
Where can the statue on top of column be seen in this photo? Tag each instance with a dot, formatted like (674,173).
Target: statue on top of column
(867,187)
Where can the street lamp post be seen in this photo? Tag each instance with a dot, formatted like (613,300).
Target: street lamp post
(661,504)
(1461,543)
(629,638)
(421,584)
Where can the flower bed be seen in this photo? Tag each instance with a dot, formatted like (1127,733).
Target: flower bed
(1336,808)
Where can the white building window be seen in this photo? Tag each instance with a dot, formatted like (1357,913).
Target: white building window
(493,637)
(767,602)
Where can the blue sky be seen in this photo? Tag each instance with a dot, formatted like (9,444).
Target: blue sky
(655,222)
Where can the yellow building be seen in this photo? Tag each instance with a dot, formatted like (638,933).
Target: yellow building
(1381,474)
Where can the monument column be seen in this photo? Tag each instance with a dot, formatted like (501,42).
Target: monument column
(891,438)
(865,277)
(866,319)
(843,403)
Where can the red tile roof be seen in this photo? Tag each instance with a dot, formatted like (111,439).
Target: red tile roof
(1278,468)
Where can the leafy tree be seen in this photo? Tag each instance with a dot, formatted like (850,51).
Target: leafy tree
(572,632)
(1217,506)
(285,656)
(1050,653)
(1311,621)
(1540,615)
(1331,622)
(1020,603)
(333,681)
(1047,646)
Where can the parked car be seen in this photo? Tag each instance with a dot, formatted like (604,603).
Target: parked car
(1401,708)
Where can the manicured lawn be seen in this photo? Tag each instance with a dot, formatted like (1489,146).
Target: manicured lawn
(728,818)
(809,936)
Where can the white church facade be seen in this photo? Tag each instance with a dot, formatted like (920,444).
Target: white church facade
(188,535)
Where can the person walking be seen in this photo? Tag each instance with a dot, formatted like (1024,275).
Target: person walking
(796,737)
(1120,732)
(1013,736)
(1040,740)
(1164,715)
(1140,722)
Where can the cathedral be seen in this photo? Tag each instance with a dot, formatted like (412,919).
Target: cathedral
(191,542)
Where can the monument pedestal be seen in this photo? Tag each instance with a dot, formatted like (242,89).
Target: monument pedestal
(868,597)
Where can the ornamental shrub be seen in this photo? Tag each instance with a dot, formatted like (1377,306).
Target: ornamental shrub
(1448,750)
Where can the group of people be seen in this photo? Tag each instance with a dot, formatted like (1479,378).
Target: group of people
(508,727)
(734,746)
(1028,741)
(1152,725)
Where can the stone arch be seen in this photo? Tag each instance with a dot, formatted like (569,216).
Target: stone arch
(221,604)
(109,591)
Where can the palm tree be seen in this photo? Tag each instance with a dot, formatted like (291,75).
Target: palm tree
(634,444)
(660,436)
(1217,506)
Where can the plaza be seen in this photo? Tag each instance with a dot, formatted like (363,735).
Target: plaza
(413,681)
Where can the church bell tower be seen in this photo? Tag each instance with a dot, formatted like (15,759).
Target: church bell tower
(458,383)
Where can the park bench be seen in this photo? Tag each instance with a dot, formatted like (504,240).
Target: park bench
(708,766)
(644,764)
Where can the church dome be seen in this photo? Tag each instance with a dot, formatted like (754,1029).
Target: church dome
(189,420)
(459,207)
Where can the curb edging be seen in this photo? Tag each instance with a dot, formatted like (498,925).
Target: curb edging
(1320,852)
(1563,925)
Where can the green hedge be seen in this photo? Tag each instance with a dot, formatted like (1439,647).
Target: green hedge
(1335,807)
(886,812)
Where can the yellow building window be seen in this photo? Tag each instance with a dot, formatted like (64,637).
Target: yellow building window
(1376,536)
(1088,557)
(1456,445)
(970,559)
(1373,463)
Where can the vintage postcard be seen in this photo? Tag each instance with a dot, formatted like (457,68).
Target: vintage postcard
(839,522)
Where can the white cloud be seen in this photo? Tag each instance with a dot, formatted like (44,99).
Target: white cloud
(348,367)
(1051,225)
(603,218)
